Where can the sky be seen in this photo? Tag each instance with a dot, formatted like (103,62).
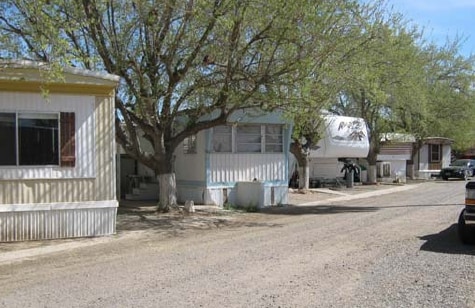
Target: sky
(441,19)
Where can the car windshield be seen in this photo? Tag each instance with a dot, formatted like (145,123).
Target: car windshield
(460,162)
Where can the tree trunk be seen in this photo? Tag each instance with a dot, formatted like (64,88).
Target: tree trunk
(303,162)
(304,182)
(372,174)
(167,184)
(372,159)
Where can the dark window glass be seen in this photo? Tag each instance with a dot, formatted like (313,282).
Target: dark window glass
(38,139)
(7,139)
(435,153)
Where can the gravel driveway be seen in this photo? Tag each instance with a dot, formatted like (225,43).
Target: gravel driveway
(393,250)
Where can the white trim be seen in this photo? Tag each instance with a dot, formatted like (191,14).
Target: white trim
(84,108)
(34,207)
(26,64)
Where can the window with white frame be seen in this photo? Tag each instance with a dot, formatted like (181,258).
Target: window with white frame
(222,139)
(189,145)
(274,138)
(33,139)
(248,138)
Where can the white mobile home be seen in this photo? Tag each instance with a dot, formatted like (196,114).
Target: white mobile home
(57,164)
(244,162)
(395,152)
(435,154)
(397,161)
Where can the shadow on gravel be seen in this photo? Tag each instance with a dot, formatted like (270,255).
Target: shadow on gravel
(147,219)
(316,209)
(447,241)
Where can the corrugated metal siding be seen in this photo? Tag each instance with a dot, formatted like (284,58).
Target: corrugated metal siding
(396,149)
(46,191)
(94,181)
(68,187)
(105,150)
(325,168)
(226,168)
(41,225)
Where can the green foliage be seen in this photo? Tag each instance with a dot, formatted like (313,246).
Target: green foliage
(450,80)
(251,208)
(195,58)
(186,59)
(400,84)
(229,207)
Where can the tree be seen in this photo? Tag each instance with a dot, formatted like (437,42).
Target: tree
(401,84)
(349,37)
(197,61)
(383,82)
(450,78)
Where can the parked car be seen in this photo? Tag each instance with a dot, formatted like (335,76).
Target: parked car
(466,222)
(459,168)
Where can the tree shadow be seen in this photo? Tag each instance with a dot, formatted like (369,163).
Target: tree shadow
(316,209)
(176,223)
(446,241)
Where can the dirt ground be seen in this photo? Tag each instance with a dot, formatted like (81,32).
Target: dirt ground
(398,248)
(140,216)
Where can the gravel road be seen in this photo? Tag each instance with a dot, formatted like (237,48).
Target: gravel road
(393,250)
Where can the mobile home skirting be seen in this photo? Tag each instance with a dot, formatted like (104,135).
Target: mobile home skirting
(273,193)
(22,222)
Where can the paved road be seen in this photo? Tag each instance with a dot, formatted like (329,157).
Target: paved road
(393,250)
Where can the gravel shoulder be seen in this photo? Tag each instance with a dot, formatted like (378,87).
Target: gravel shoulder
(397,249)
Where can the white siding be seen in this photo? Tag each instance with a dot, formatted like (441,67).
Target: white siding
(191,167)
(93,179)
(239,167)
(327,168)
(446,155)
(424,157)
(83,107)
(41,225)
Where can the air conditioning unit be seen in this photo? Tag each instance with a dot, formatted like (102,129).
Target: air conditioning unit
(383,169)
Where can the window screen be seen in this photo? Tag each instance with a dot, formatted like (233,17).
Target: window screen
(274,138)
(222,138)
(248,138)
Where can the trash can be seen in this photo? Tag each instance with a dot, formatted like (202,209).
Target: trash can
(466,222)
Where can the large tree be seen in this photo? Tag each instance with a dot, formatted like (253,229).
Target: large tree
(450,78)
(350,37)
(402,84)
(180,59)
(383,82)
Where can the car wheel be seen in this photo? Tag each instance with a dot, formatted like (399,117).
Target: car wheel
(466,175)
(466,233)
(445,178)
